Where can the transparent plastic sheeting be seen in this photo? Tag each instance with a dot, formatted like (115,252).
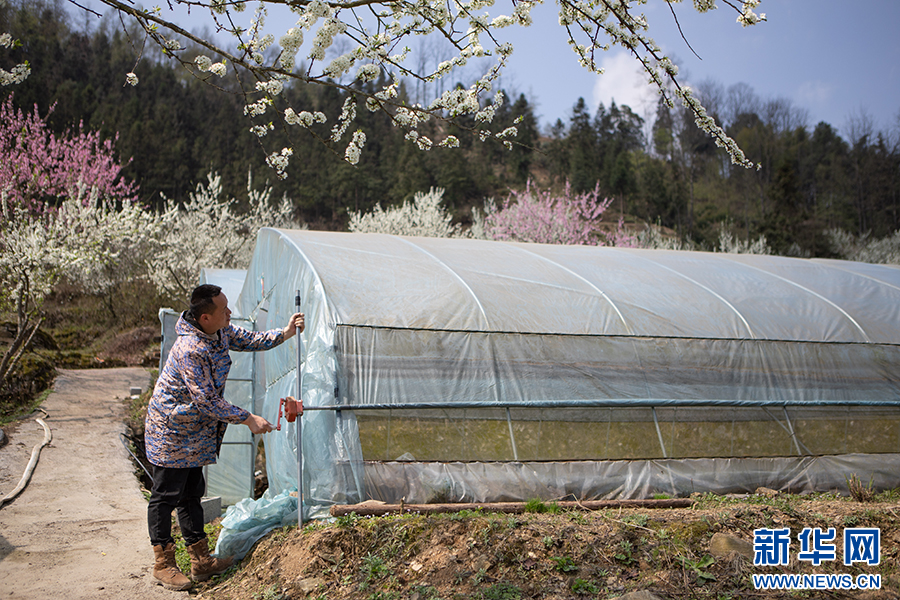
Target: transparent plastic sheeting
(248,520)
(423,483)
(394,321)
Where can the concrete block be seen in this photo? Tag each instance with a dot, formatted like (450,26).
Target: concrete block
(212,508)
(135,391)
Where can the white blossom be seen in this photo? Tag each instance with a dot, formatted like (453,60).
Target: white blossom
(262,130)
(279,161)
(348,114)
(257,108)
(273,86)
(18,74)
(355,147)
(218,69)
(376,38)
(367,72)
(208,231)
(131,79)
(339,66)
(203,62)
(423,217)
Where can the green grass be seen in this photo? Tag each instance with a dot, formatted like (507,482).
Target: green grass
(20,412)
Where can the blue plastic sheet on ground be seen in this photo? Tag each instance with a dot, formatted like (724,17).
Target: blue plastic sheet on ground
(249,520)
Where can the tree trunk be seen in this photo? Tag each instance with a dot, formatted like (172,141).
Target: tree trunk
(367,509)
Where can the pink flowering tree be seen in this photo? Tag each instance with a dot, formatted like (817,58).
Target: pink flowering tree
(539,216)
(37,167)
(64,212)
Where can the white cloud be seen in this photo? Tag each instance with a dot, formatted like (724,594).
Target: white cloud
(625,82)
(814,93)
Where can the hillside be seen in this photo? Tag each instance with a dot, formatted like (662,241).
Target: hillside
(670,553)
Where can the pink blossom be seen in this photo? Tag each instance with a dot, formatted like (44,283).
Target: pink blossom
(540,217)
(36,166)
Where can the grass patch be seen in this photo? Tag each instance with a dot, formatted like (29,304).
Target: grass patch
(535,505)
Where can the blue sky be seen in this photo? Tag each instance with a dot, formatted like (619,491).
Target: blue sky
(834,58)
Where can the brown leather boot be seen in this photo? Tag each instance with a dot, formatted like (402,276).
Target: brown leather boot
(166,571)
(204,566)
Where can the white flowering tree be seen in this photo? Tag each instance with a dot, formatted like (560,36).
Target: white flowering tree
(209,231)
(117,240)
(82,238)
(864,248)
(351,44)
(424,217)
(19,72)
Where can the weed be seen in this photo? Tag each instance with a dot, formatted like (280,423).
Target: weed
(465,514)
(282,534)
(564,564)
(548,541)
(578,518)
(888,496)
(347,520)
(582,587)
(373,569)
(661,496)
(384,596)
(860,492)
(698,566)
(502,591)
(426,592)
(851,520)
(270,593)
(624,555)
(639,520)
(479,576)
(535,505)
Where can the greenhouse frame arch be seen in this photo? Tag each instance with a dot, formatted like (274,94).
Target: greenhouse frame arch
(460,370)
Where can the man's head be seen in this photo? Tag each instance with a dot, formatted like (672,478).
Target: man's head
(209,307)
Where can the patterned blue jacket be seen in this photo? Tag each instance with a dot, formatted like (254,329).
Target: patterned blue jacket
(187,415)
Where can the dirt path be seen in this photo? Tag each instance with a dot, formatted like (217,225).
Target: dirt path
(79,530)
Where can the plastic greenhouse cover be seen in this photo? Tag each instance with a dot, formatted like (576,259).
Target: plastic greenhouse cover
(417,322)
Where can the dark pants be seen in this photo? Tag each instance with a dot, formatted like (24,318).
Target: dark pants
(179,490)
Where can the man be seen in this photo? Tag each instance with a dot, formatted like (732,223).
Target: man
(185,424)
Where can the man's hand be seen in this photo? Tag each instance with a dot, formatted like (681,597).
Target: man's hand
(297,323)
(257,424)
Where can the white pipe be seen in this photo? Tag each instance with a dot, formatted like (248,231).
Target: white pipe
(35,454)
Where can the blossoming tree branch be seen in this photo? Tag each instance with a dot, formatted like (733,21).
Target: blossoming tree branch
(374,38)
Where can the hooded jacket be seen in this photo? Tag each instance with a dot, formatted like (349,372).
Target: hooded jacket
(187,415)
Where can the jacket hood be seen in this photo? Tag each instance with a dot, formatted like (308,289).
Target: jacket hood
(186,325)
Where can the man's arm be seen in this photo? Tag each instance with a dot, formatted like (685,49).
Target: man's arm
(243,340)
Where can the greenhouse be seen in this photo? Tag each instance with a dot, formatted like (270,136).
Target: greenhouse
(456,370)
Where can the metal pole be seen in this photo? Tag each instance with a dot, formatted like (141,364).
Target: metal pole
(299,422)
(512,437)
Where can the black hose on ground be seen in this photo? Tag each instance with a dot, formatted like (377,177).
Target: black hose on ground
(136,459)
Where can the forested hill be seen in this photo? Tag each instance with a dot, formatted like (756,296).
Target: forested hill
(176,129)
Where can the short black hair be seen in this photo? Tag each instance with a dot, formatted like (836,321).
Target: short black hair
(202,299)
